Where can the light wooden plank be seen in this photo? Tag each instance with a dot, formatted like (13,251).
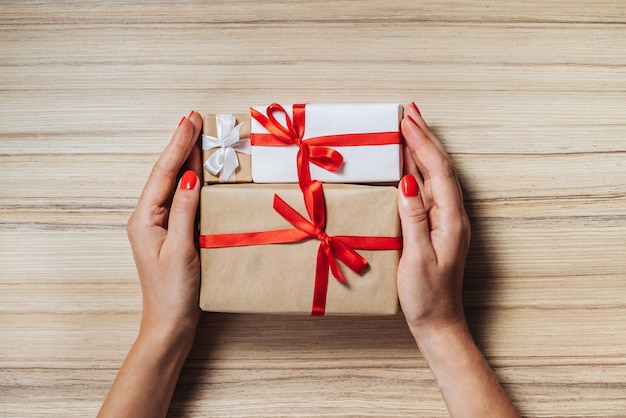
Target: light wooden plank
(528,97)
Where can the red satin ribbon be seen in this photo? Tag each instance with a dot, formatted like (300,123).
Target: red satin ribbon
(331,247)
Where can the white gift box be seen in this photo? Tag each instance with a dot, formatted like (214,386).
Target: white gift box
(368,135)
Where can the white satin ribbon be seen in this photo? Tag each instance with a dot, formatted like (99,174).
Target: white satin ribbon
(224,161)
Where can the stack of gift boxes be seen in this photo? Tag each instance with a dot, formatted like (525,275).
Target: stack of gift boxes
(299,210)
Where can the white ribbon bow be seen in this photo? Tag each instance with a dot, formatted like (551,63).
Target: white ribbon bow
(224,161)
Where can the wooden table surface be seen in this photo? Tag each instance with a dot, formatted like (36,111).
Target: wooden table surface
(529,97)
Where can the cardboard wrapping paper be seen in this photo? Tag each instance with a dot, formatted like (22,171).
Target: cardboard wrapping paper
(361,164)
(243,173)
(280,278)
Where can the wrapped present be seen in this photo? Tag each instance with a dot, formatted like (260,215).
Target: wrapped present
(334,143)
(261,252)
(226,148)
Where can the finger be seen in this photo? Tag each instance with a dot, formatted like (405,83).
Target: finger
(414,220)
(409,163)
(181,225)
(194,162)
(436,167)
(413,111)
(410,167)
(163,176)
(197,122)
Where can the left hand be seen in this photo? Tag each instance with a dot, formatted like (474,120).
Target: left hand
(161,233)
(435,230)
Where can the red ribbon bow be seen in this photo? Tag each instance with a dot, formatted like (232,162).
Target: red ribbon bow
(310,151)
(314,150)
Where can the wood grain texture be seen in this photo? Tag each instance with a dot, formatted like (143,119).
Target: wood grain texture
(528,97)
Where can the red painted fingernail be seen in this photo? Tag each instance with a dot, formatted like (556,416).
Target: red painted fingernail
(416,108)
(190,113)
(188,181)
(408,184)
(181,121)
(412,120)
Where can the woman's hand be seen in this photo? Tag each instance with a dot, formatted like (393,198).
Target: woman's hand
(435,230)
(436,236)
(161,233)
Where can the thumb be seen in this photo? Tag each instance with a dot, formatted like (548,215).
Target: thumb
(413,217)
(181,225)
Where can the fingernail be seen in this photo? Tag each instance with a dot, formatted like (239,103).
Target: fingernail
(181,121)
(188,181)
(416,108)
(409,186)
(190,113)
(412,120)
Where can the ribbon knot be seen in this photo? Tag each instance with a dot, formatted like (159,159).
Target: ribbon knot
(323,237)
(224,161)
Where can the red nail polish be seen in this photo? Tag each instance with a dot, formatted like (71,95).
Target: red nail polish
(408,184)
(190,113)
(181,121)
(416,108)
(188,181)
(409,117)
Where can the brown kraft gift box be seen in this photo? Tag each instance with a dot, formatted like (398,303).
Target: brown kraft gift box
(243,173)
(280,278)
